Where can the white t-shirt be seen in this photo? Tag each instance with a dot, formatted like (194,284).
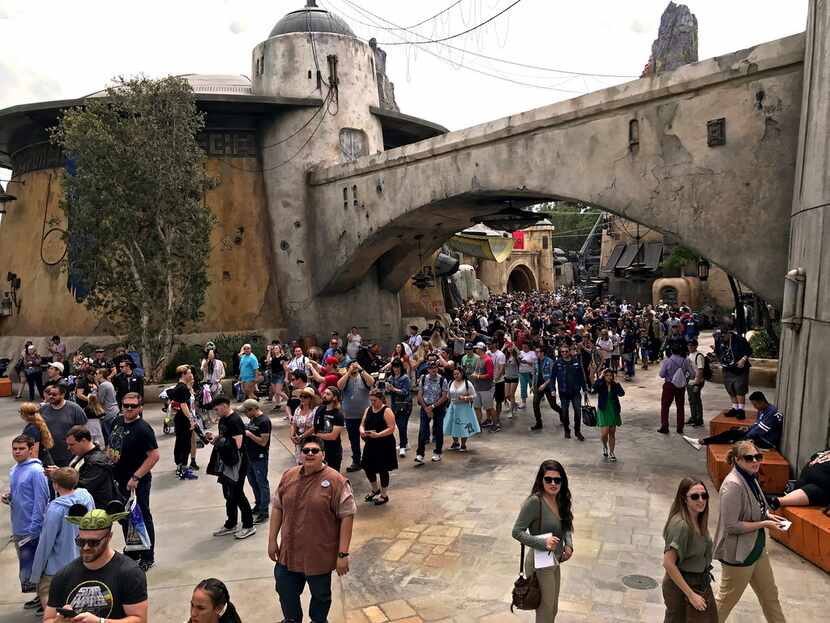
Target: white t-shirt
(606,347)
(415,342)
(527,360)
(354,345)
(498,360)
(298,363)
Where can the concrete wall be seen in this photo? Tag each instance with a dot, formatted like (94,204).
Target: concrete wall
(672,180)
(803,388)
(241,296)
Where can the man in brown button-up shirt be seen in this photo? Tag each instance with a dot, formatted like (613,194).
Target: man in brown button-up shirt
(314,508)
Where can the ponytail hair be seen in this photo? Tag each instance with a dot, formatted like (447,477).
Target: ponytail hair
(30,412)
(220,598)
(737,449)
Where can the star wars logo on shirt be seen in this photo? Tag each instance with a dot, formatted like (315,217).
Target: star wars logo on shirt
(93,597)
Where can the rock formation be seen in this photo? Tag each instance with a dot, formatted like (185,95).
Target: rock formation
(676,42)
(386,89)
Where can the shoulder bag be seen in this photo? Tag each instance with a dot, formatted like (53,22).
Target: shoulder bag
(589,413)
(527,595)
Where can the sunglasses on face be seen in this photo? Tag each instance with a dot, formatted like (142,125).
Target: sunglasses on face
(749,458)
(552,480)
(698,496)
(310,450)
(91,543)
(130,407)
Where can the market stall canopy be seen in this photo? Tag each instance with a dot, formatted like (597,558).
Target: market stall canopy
(483,242)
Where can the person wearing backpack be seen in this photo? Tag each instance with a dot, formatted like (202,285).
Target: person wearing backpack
(675,371)
(696,383)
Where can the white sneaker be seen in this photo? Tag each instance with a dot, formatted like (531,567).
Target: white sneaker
(692,442)
(244,533)
(419,458)
(436,458)
(402,452)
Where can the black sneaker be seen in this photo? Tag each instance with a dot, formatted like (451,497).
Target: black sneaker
(579,436)
(663,431)
(567,434)
(740,414)
(536,427)
(32,603)
(354,467)
(455,446)
(194,466)
(697,423)
(146,565)
(731,413)
(260,518)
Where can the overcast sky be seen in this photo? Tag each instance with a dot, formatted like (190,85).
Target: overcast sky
(53,50)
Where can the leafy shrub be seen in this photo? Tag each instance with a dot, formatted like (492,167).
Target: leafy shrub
(763,345)
(226,347)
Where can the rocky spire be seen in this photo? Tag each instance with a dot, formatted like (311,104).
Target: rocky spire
(386,89)
(676,43)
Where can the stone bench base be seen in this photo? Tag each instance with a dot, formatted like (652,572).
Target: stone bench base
(809,536)
(773,476)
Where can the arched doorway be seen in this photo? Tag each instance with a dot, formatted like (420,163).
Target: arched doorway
(521,279)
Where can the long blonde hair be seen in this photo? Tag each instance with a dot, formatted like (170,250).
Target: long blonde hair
(30,412)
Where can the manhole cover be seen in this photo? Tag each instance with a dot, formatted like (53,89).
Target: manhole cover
(640,582)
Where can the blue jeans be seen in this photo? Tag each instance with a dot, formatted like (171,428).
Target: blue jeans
(258,479)
(628,363)
(524,383)
(564,417)
(26,559)
(402,413)
(437,430)
(290,585)
(353,429)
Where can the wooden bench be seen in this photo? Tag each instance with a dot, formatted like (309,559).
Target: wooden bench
(720,423)
(5,387)
(809,536)
(773,476)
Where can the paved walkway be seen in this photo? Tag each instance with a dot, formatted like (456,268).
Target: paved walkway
(441,549)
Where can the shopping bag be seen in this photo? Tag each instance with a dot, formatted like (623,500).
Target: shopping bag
(137,539)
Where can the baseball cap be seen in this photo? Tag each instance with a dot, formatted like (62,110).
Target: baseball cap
(57,365)
(481,345)
(250,403)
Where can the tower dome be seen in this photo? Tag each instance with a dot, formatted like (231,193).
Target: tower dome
(312,19)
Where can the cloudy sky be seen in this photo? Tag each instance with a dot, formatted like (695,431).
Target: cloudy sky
(53,50)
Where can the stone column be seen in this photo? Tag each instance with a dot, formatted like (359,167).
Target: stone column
(803,387)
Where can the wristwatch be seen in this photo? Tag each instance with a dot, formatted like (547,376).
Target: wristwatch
(342,554)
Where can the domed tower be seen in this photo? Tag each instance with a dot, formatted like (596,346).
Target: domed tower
(311,53)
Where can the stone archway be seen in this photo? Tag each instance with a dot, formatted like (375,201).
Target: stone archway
(520,279)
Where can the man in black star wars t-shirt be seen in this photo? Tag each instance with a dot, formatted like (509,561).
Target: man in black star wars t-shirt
(100,585)
(328,426)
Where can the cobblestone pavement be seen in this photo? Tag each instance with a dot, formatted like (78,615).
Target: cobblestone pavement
(441,549)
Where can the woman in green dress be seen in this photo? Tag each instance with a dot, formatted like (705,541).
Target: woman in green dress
(608,412)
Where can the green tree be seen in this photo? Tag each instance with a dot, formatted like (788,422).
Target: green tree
(573,222)
(138,231)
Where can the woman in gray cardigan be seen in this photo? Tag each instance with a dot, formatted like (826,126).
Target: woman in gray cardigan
(740,540)
(545,524)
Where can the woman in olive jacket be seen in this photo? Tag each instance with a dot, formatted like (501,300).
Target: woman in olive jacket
(740,540)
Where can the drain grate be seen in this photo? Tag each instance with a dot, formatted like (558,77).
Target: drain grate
(639,582)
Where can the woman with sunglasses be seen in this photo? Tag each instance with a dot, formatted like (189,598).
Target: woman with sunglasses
(740,540)
(687,557)
(377,429)
(545,524)
(302,422)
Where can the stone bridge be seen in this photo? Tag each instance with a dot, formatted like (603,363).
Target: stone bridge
(706,153)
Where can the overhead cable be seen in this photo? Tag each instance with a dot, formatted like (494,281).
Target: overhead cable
(458,34)
(479,54)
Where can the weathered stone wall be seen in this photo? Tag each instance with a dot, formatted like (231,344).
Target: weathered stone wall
(803,390)
(386,88)
(241,296)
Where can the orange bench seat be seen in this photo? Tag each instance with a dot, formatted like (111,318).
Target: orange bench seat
(720,423)
(809,536)
(5,387)
(773,476)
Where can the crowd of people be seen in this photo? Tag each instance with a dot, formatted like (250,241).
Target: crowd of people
(85,458)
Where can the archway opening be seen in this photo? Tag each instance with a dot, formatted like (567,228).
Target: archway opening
(669,295)
(521,279)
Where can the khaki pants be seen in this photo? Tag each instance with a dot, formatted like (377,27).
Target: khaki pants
(549,581)
(43,588)
(733,583)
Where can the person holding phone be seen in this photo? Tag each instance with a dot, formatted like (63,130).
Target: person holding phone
(101,584)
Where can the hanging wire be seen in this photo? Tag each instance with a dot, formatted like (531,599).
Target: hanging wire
(459,34)
(479,54)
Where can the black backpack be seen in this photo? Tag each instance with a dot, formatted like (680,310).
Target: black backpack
(707,368)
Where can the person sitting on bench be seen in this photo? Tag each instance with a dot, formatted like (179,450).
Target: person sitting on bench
(812,486)
(765,433)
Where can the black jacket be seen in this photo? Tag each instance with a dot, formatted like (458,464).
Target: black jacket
(125,384)
(95,475)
